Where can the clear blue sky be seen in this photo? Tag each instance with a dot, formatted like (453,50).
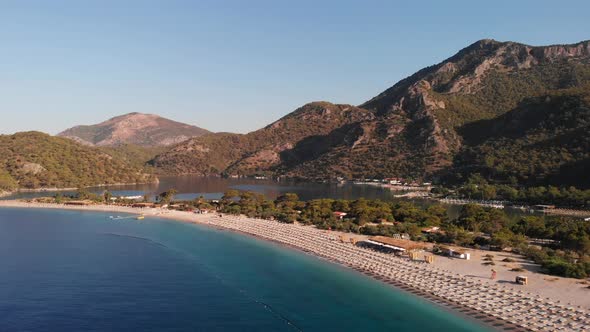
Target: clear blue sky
(238,65)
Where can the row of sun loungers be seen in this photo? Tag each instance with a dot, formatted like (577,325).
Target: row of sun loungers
(522,309)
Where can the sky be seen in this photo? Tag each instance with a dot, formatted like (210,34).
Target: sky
(237,66)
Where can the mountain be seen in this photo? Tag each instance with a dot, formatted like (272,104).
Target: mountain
(146,130)
(288,141)
(433,124)
(36,160)
(544,140)
(483,81)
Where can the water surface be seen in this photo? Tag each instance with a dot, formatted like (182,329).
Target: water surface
(192,186)
(73,271)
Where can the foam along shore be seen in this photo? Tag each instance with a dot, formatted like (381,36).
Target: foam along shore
(495,302)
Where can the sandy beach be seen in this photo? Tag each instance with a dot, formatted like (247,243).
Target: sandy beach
(547,304)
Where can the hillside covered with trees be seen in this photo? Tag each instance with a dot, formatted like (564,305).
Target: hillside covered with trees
(36,160)
(299,136)
(544,140)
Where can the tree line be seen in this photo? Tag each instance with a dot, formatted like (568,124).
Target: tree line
(477,187)
(476,226)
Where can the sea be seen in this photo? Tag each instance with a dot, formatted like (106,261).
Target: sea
(84,271)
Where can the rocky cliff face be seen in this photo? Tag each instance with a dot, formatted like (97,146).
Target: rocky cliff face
(412,129)
(430,96)
(134,128)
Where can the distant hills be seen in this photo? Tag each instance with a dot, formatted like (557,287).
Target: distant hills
(146,130)
(485,109)
(37,160)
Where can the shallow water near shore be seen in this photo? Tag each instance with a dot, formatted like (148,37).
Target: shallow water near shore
(72,271)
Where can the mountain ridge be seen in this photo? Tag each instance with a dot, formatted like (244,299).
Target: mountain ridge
(411,129)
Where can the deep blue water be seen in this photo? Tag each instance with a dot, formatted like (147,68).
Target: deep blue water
(81,271)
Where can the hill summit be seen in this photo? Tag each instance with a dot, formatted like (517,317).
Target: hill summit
(134,128)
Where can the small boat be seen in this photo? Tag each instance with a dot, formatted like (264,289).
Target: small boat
(142,217)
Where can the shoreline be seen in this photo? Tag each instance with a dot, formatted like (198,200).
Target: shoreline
(453,308)
(55,189)
(419,279)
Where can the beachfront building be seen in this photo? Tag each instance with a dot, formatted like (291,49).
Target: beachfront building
(144,205)
(388,244)
(455,253)
(543,208)
(204,211)
(432,230)
(394,181)
(340,215)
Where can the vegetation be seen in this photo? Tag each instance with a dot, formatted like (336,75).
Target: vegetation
(283,144)
(476,226)
(544,141)
(7,182)
(167,196)
(136,155)
(477,187)
(36,160)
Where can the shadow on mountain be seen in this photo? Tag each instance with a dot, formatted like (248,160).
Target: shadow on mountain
(532,114)
(573,174)
(545,140)
(313,147)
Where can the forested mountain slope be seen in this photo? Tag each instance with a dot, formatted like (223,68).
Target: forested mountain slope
(37,160)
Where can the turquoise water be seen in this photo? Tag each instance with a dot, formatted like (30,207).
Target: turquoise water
(73,271)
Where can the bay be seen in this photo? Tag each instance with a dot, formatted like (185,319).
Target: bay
(72,271)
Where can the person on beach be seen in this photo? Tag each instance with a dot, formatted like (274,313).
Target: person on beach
(493,274)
